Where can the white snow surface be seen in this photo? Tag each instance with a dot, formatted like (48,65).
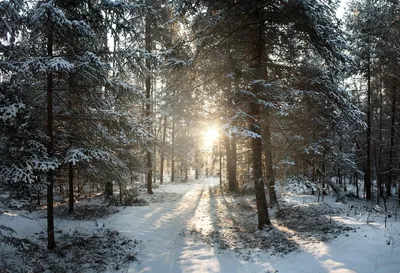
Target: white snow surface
(160,227)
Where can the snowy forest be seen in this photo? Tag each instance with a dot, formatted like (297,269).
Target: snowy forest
(199,136)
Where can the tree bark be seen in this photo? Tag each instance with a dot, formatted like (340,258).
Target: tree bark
(379,154)
(163,151)
(173,152)
(268,157)
(336,188)
(367,176)
(109,188)
(51,243)
(220,162)
(255,118)
(148,106)
(70,188)
(197,163)
(391,139)
(230,147)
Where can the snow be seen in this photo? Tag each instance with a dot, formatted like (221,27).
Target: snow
(59,64)
(356,253)
(180,234)
(10,111)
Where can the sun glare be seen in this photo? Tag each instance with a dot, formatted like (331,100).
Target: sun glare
(210,136)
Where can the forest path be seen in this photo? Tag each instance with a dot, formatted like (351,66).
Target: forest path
(182,236)
(165,229)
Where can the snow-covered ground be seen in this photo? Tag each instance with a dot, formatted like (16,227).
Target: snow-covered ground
(187,228)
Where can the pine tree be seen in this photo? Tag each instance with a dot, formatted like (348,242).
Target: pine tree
(88,119)
(285,30)
(375,55)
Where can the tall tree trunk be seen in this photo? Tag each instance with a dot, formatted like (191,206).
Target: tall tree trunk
(233,167)
(220,162)
(230,147)
(109,184)
(148,106)
(70,188)
(356,180)
(197,163)
(266,134)
(323,174)
(255,118)
(51,243)
(173,152)
(367,176)
(379,154)
(108,188)
(392,138)
(207,165)
(163,150)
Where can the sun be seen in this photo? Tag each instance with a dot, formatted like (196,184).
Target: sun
(210,136)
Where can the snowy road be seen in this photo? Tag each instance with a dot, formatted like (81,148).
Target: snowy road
(166,248)
(161,228)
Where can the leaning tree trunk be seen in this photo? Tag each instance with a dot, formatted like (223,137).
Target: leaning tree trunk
(336,188)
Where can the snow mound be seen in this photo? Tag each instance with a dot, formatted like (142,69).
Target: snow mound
(85,212)
(311,221)
(161,197)
(297,185)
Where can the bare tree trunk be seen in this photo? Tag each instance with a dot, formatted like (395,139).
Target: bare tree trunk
(379,154)
(120,193)
(255,119)
(109,188)
(391,140)
(148,106)
(233,171)
(336,188)
(220,162)
(268,157)
(357,189)
(162,157)
(207,166)
(367,176)
(230,147)
(51,243)
(173,152)
(197,163)
(323,175)
(71,188)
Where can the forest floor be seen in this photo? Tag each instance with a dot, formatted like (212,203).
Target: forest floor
(194,227)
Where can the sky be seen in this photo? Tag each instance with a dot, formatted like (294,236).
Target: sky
(341,9)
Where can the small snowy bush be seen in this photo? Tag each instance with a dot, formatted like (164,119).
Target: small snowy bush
(6,236)
(298,185)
